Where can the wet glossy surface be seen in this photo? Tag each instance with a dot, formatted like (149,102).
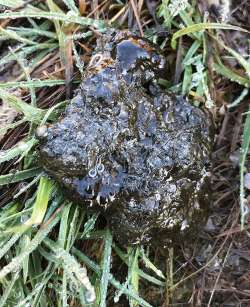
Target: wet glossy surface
(129,149)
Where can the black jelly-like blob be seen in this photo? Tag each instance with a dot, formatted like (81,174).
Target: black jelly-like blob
(131,150)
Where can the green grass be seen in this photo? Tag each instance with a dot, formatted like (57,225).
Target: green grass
(46,259)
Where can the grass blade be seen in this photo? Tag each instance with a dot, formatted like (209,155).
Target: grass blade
(105,268)
(20,176)
(32,31)
(16,263)
(244,151)
(237,56)
(140,272)
(150,265)
(228,73)
(22,147)
(89,225)
(191,52)
(201,27)
(25,242)
(93,266)
(31,113)
(9,244)
(63,230)
(9,34)
(71,5)
(34,295)
(39,209)
(22,51)
(70,18)
(43,195)
(8,290)
(73,269)
(34,83)
(133,275)
(11,3)
(239,99)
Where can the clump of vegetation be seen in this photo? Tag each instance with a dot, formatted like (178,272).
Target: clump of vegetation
(53,252)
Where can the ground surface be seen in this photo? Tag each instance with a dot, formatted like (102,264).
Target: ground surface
(46,242)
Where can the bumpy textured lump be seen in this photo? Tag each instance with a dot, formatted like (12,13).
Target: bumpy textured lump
(129,149)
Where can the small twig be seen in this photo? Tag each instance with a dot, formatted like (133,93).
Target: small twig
(137,16)
(58,210)
(97,8)
(82,6)
(219,274)
(202,268)
(178,66)
(69,66)
(113,19)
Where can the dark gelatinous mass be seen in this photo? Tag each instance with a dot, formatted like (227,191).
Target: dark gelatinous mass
(129,149)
